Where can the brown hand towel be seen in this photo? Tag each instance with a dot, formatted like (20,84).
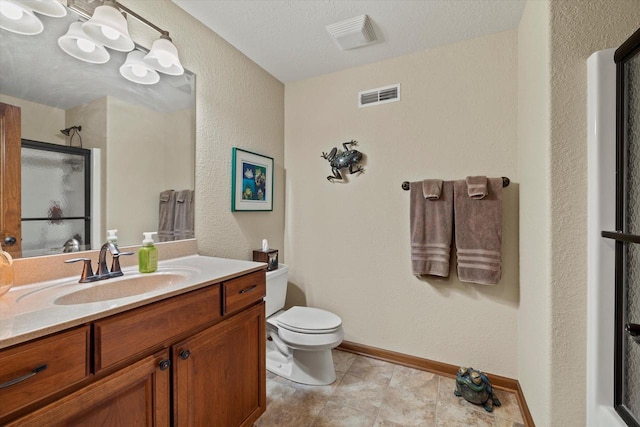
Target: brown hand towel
(477,187)
(431,224)
(166,216)
(431,188)
(478,225)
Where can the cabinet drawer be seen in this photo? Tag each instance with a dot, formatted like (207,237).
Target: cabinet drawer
(66,361)
(243,291)
(133,332)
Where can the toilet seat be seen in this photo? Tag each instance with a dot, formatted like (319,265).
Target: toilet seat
(309,320)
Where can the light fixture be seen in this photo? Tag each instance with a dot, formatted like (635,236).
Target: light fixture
(71,132)
(137,71)
(52,8)
(109,27)
(77,44)
(352,33)
(20,19)
(163,56)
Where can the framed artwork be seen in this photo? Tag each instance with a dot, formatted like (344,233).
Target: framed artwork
(251,181)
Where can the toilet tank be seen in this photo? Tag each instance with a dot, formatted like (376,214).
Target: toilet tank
(276,289)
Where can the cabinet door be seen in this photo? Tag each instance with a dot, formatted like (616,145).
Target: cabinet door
(137,395)
(219,373)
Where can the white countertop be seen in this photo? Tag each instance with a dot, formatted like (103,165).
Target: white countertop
(30,311)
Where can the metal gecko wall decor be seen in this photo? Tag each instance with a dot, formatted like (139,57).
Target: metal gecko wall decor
(340,160)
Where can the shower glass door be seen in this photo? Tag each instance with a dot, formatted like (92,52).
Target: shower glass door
(627,235)
(55,198)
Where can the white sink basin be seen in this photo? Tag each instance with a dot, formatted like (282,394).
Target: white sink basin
(124,287)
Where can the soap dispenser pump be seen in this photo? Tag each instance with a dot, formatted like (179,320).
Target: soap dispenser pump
(148,254)
(112,237)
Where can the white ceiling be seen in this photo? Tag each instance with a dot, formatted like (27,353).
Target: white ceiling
(288,38)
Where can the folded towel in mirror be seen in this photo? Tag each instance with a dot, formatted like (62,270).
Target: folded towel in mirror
(477,187)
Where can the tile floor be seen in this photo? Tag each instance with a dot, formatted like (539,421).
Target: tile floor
(372,393)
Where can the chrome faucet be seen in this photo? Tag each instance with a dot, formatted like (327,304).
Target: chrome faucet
(103,272)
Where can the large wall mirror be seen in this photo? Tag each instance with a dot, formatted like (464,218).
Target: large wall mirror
(143,135)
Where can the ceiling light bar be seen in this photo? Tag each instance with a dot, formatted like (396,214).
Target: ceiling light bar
(162,57)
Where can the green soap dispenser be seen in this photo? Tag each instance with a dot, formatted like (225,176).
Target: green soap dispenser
(148,254)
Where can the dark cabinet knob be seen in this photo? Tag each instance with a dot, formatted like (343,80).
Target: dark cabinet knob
(9,240)
(164,364)
(184,354)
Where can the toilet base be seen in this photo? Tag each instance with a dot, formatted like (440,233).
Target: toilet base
(305,367)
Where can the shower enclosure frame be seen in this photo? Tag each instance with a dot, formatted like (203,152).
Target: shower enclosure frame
(628,51)
(86,154)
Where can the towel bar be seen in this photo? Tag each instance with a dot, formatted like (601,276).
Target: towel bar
(505,183)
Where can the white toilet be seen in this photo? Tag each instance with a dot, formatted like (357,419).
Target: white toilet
(300,339)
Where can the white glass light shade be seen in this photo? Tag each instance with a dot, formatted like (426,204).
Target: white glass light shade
(136,70)
(19,19)
(163,57)
(77,44)
(109,27)
(51,8)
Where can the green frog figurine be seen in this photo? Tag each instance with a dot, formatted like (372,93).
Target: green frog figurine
(476,388)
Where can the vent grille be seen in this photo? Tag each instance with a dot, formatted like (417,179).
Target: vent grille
(379,96)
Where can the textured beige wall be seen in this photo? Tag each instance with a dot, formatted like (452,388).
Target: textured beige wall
(348,244)
(143,159)
(578,28)
(238,104)
(534,314)
(39,122)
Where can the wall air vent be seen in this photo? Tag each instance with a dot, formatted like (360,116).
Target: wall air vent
(379,96)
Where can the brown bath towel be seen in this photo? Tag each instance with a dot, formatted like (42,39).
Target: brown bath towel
(184,215)
(167,215)
(478,229)
(431,222)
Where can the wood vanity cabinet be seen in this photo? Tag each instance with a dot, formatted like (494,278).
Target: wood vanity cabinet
(137,395)
(219,374)
(183,361)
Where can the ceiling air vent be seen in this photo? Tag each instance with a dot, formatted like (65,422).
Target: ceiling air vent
(379,96)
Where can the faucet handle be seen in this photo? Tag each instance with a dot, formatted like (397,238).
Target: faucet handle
(87,272)
(115,264)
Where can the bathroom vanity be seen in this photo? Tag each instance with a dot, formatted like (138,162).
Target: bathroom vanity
(190,352)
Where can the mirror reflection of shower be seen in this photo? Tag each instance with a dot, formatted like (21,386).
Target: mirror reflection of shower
(71,132)
(56,198)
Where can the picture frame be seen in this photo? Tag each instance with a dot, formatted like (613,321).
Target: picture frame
(251,181)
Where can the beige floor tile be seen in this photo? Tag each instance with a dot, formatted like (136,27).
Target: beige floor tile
(461,415)
(501,422)
(342,360)
(409,406)
(413,378)
(336,415)
(509,408)
(379,394)
(386,423)
(360,393)
(371,369)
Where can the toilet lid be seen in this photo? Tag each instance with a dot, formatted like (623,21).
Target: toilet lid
(308,319)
